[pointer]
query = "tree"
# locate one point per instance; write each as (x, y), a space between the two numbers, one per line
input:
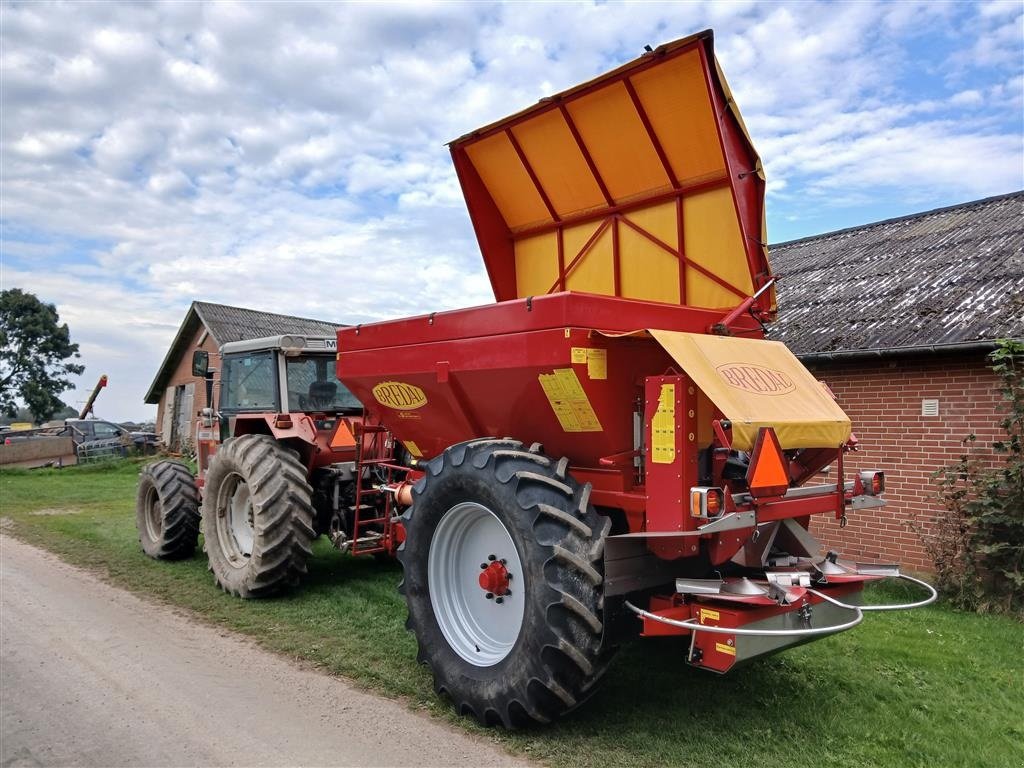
(35, 355)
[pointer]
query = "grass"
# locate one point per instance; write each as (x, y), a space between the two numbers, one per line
(931, 687)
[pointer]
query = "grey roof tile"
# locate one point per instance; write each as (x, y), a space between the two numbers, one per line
(951, 276)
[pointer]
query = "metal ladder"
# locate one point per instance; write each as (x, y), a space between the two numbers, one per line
(379, 454)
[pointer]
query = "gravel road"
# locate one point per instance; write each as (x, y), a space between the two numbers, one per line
(92, 675)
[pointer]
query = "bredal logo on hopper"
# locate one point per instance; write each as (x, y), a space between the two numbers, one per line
(400, 396)
(754, 378)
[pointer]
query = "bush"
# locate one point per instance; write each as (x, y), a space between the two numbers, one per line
(978, 548)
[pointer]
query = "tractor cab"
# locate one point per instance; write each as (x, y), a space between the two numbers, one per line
(282, 386)
(282, 375)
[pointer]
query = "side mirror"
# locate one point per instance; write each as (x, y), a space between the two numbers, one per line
(200, 363)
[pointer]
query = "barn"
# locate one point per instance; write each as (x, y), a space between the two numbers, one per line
(897, 317)
(179, 395)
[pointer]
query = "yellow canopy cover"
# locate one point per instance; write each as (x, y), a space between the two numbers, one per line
(758, 383)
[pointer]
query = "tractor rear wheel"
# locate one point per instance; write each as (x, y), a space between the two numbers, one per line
(257, 516)
(503, 576)
(167, 510)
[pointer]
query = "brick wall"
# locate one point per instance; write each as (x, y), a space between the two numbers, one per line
(183, 375)
(883, 398)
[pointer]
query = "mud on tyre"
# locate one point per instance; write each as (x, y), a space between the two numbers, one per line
(503, 577)
(257, 516)
(167, 510)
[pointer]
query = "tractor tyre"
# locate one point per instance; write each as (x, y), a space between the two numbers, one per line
(503, 579)
(257, 517)
(167, 510)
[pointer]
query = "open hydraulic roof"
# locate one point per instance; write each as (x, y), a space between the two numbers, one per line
(641, 183)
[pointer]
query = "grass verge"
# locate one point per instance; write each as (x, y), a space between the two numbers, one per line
(932, 687)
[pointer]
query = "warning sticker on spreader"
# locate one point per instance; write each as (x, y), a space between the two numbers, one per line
(707, 613)
(663, 427)
(569, 401)
(723, 648)
(596, 360)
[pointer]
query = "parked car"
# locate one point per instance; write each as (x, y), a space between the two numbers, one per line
(95, 430)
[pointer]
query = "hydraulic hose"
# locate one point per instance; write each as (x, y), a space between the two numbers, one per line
(890, 607)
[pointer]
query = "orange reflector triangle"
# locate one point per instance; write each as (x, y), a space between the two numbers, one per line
(342, 436)
(767, 474)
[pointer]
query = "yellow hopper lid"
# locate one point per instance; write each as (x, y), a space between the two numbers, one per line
(641, 183)
(757, 383)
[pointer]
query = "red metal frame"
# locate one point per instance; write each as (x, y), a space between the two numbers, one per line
(479, 371)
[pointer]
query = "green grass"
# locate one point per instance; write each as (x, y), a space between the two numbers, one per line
(931, 687)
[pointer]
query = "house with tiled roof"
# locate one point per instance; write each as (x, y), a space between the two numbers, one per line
(179, 395)
(897, 317)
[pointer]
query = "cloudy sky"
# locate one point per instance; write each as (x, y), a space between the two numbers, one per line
(290, 157)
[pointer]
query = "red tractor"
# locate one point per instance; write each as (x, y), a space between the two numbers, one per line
(277, 467)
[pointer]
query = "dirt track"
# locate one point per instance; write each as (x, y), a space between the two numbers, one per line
(92, 675)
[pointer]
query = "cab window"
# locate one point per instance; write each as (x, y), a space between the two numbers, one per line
(312, 386)
(249, 382)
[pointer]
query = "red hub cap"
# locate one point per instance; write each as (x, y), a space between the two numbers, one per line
(494, 578)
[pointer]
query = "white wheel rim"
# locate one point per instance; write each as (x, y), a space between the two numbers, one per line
(482, 631)
(235, 520)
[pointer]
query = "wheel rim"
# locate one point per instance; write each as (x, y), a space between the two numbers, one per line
(154, 515)
(236, 532)
(481, 630)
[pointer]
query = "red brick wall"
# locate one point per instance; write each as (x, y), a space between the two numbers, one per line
(883, 398)
(183, 375)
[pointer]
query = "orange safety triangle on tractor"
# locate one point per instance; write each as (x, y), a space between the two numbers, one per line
(343, 437)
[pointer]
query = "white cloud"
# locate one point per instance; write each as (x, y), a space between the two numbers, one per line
(291, 157)
(969, 98)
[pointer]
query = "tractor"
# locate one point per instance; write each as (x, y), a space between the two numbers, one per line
(276, 468)
(612, 448)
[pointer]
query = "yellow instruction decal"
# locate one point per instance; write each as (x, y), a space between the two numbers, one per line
(707, 613)
(596, 360)
(412, 448)
(723, 648)
(663, 427)
(569, 401)
(597, 363)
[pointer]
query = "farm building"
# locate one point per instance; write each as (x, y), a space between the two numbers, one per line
(897, 317)
(179, 395)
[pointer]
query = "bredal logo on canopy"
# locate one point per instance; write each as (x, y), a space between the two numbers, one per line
(756, 379)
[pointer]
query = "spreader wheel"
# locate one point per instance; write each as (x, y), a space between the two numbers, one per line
(503, 577)
(167, 510)
(257, 516)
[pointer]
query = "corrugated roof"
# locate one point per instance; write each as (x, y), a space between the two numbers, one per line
(948, 277)
(237, 323)
(226, 323)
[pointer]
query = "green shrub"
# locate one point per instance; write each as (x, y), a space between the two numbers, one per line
(978, 548)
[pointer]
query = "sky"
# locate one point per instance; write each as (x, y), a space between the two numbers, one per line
(291, 157)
